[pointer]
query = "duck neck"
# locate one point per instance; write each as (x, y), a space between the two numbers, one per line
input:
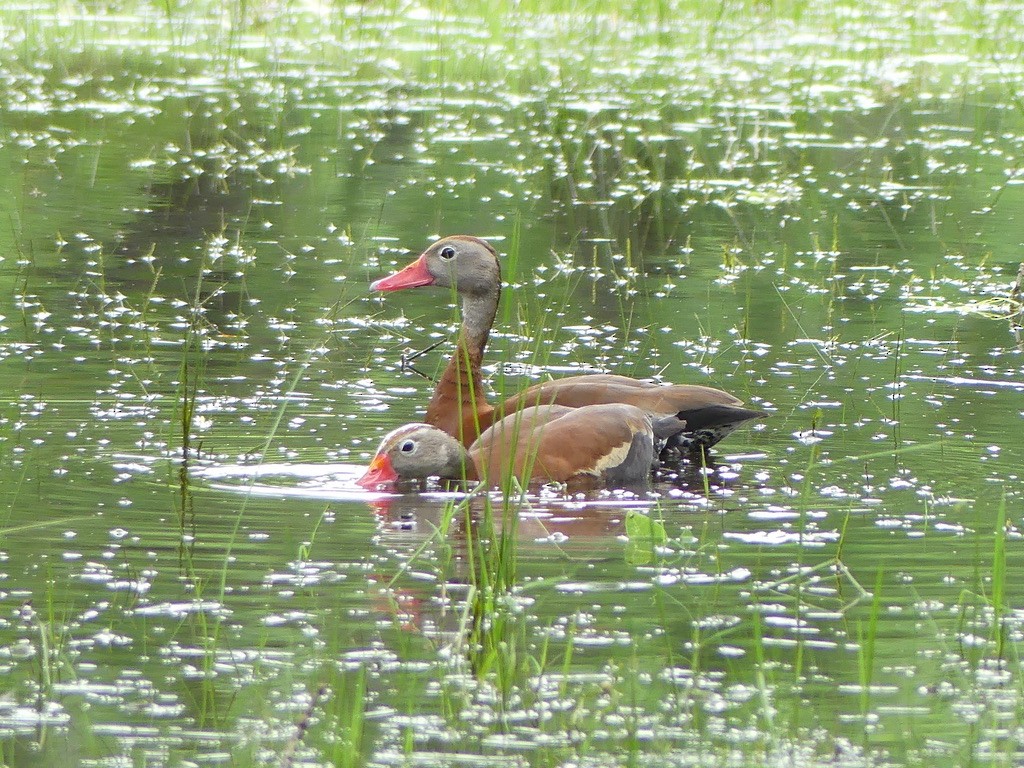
(478, 313)
(459, 405)
(458, 464)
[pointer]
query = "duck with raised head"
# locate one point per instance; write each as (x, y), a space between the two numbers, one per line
(607, 445)
(459, 405)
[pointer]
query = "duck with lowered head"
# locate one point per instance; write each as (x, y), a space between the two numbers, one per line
(606, 445)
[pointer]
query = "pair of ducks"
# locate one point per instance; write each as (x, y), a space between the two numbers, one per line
(591, 430)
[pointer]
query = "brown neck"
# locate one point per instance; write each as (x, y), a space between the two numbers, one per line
(459, 405)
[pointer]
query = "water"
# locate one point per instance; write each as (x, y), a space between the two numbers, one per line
(825, 225)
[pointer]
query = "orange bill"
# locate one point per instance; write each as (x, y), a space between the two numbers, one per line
(380, 472)
(413, 276)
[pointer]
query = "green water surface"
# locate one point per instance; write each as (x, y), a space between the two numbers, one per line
(814, 206)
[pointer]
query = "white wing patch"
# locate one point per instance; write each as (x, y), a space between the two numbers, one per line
(610, 460)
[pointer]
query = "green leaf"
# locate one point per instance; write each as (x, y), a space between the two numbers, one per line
(644, 535)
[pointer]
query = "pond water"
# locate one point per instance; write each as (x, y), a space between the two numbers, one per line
(817, 209)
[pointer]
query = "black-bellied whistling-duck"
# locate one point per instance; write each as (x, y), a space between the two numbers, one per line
(459, 405)
(597, 445)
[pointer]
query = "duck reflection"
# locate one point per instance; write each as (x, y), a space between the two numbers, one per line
(447, 546)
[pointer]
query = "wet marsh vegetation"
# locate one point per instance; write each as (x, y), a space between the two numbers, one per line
(815, 206)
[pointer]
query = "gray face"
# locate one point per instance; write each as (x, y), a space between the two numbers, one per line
(419, 451)
(468, 264)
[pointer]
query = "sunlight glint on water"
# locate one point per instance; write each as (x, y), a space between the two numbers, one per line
(813, 208)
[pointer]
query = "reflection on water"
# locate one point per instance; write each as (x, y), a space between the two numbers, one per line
(816, 211)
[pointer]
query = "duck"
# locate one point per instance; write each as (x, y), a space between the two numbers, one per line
(470, 267)
(604, 445)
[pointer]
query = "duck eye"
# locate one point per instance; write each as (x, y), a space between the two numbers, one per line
(408, 446)
(447, 253)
